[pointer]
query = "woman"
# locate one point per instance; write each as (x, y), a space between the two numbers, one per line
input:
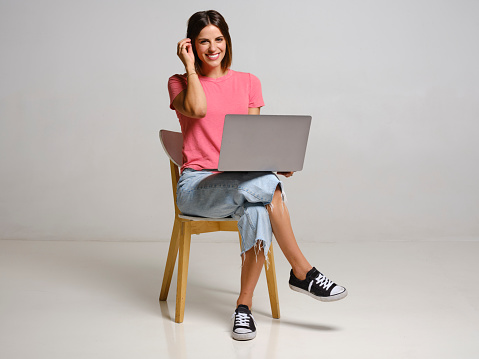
(201, 98)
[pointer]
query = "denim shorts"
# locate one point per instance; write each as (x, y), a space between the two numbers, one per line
(240, 195)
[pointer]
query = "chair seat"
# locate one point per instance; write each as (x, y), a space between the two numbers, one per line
(193, 218)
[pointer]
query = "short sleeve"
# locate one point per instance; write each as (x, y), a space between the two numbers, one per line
(255, 95)
(176, 84)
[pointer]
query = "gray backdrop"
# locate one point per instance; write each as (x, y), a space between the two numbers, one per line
(392, 87)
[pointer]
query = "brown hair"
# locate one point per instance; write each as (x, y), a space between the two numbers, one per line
(200, 20)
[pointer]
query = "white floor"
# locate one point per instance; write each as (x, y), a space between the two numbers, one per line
(100, 300)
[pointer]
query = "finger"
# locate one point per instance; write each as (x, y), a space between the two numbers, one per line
(184, 40)
(182, 44)
(183, 49)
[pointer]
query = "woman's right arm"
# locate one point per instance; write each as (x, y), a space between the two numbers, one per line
(192, 101)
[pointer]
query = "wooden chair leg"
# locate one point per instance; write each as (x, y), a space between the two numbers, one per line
(184, 255)
(241, 244)
(170, 260)
(272, 285)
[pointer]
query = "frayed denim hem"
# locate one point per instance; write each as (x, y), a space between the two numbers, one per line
(259, 245)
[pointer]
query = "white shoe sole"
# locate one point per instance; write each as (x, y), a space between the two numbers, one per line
(243, 336)
(331, 298)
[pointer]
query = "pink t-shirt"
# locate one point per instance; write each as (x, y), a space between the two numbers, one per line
(232, 93)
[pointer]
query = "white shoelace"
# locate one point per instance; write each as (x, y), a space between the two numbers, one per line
(242, 319)
(322, 281)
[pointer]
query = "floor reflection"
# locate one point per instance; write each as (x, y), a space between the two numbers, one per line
(176, 341)
(174, 332)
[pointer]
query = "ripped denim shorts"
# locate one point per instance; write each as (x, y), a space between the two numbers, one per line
(240, 195)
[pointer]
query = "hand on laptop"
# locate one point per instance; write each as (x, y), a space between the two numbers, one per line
(286, 174)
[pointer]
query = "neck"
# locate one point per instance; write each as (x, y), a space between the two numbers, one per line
(213, 72)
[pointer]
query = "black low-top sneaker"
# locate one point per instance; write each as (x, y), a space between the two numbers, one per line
(244, 325)
(316, 285)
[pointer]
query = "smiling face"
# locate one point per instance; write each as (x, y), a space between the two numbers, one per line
(211, 49)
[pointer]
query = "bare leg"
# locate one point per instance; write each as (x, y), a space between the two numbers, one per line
(253, 263)
(283, 232)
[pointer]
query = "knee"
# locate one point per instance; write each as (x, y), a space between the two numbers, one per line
(277, 195)
(278, 200)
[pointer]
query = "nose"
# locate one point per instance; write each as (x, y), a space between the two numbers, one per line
(212, 47)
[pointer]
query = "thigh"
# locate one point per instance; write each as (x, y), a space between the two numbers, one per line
(210, 194)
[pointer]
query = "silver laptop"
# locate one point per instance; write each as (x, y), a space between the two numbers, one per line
(264, 143)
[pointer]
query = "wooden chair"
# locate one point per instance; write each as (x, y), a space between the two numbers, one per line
(185, 226)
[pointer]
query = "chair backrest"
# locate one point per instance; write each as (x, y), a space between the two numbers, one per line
(172, 143)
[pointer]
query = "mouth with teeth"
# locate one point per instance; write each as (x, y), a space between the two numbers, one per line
(212, 56)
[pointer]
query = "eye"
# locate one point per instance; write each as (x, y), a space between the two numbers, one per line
(203, 42)
(219, 39)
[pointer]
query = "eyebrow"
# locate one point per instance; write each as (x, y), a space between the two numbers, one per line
(204, 38)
